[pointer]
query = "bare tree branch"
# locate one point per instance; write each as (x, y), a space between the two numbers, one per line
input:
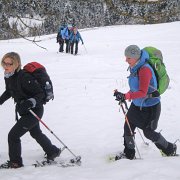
(33, 41)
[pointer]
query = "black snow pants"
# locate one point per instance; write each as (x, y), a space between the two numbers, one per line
(145, 118)
(28, 123)
(76, 47)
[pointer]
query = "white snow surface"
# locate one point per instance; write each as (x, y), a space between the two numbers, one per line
(84, 114)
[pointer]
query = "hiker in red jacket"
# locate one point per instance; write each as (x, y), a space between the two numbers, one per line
(144, 111)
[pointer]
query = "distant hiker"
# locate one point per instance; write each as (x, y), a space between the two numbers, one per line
(65, 36)
(75, 37)
(31, 98)
(59, 38)
(144, 111)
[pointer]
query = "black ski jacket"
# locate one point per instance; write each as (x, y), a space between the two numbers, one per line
(22, 86)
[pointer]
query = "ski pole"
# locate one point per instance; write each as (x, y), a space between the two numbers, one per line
(85, 48)
(176, 141)
(132, 134)
(65, 147)
(146, 143)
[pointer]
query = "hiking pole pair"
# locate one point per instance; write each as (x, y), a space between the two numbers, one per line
(127, 121)
(77, 158)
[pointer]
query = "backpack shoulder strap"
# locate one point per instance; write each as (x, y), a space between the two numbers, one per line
(19, 80)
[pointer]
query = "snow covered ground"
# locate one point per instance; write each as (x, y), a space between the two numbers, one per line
(84, 114)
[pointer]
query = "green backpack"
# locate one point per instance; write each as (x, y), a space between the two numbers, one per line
(156, 62)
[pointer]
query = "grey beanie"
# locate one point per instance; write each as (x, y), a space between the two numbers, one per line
(133, 51)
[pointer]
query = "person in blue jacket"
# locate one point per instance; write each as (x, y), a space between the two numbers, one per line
(75, 37)
(145, 108)
(66, 35)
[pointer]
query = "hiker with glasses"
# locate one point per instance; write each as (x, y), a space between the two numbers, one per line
(31, 98)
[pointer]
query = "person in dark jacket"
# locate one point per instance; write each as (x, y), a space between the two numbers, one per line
(31, 98)
(60, 38)
(144, 111)
(75, 37)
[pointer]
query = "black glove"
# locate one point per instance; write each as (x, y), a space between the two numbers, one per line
(119, 96)
(155, 94)
(23, 108)
(82, 43)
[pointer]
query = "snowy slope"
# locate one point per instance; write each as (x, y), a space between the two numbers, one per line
(84, 114)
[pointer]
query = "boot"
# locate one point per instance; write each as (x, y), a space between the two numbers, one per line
(129, 153)
(9, 164)
(170, 150)
(129, 149)
(54, 155)
(166, 148)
